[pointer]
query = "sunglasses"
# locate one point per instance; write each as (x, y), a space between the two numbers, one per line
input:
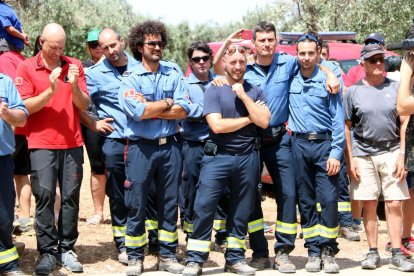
(93, 44)
(152, 44)
(309, 36)
(198, 59)
(373, 42)
(376, 60)
(233, 48)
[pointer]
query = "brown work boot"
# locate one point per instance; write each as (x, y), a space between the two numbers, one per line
(192, 269)
(135, 268)
(170, 265)
(240, 268)
(283, 262)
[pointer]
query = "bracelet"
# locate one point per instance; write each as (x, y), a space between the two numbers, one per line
(168, 104)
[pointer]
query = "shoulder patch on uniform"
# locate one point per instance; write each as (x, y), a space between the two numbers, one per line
(18, 81)
(129, 93)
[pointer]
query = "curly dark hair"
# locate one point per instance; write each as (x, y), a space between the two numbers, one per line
(263, 26)
(137, 35)
(199, 45)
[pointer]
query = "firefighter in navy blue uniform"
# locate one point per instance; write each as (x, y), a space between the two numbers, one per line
(232, 111)
(316, 119)
(195, 131)
(12, 113)
(103, 80)
(154, 151)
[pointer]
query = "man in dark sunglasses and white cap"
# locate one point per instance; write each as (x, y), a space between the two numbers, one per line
(375, 154)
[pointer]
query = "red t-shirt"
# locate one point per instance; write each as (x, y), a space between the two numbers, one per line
(8, 66)
(56, 125)
(355, 74)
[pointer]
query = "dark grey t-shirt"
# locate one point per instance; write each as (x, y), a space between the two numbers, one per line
(221, 99)
(374, 117)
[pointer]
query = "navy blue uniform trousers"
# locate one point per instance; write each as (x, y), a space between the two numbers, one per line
(8, 253)
(113, 151)
(241, 172)
(319, 229)
(148, 161)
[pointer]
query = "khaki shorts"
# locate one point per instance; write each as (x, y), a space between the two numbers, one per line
(376, 177)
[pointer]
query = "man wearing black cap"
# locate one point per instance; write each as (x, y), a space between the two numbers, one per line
(375, 155)
(357, 73)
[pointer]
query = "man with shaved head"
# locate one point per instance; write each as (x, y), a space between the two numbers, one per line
(53, 88)
(103, 81)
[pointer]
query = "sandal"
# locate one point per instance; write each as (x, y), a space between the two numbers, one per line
(95, 219)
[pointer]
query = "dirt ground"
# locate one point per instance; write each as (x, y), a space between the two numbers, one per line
(97, 252)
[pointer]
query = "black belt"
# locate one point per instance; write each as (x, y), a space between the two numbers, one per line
(379, 144)
(159, 141)
(327, 136)
(197, 143)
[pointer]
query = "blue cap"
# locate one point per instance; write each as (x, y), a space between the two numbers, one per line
(93, 35)
(375, 37)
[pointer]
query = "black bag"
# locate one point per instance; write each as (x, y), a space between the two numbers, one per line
(271, 135)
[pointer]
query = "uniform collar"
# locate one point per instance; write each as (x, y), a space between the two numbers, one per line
(105, 66)
(193, 79)
(163, 69)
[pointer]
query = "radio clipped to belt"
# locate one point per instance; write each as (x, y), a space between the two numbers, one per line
(210, 148)
(271, 135)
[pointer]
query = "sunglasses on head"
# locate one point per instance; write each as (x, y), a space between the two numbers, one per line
(198, 59)
(152, 44)
(309, 36)
(93, 44)
(233, 48)
(376, 60)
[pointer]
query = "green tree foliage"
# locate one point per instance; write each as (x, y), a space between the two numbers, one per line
(77, 17)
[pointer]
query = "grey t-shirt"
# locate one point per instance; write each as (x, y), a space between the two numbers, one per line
(374, 117)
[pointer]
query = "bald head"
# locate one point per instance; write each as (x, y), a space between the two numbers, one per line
(112, 46)
(53, 32)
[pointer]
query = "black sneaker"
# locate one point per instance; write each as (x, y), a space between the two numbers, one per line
(46, 264)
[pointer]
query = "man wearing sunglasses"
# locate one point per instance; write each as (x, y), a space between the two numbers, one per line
(195, 131)
(103, 80)
(232, 112)
(153, 153)
(357, 72)
(375, 155)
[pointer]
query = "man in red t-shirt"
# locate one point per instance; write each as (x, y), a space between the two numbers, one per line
(53, 88)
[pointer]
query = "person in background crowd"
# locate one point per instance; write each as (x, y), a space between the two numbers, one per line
(53, 88)
(375, 154)
(93, 139)
(12, 113)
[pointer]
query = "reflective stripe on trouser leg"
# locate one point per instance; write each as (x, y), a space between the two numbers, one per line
(219, 225)
(286, 228)
(212, 185)
(244, 196)
(330, 233)
(118, 231)
(280, 164)
(188, 227)
(167, 236)
(198, 245)
(257, 239)
(151, 224)
(134, 242)
(9, 255)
